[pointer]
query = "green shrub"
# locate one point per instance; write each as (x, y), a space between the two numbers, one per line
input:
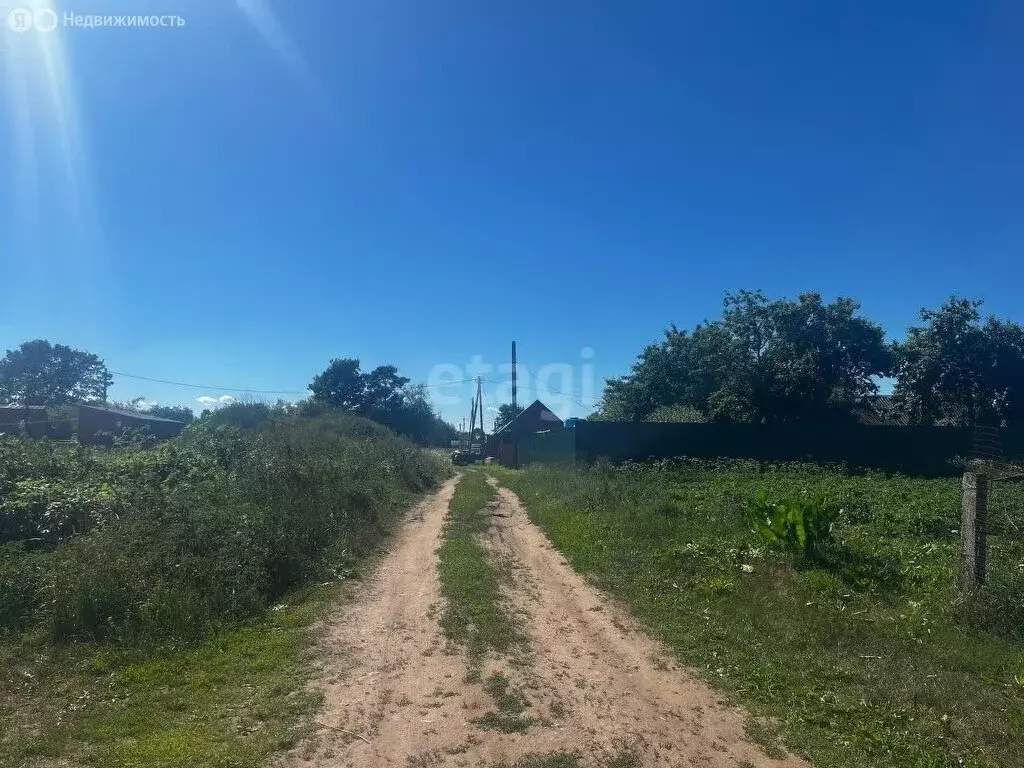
(802, 526)
(49, 510)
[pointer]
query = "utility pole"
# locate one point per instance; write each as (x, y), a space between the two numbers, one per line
(513, 379)
(478, 408)
(472, 421)
(480, 403)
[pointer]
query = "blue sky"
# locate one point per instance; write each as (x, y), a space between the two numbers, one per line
(236, 201)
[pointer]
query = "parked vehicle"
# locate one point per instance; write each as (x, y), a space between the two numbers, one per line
(464, 457)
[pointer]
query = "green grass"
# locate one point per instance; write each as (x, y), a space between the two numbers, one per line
(552, 760)
(228, 702)
(474, 614)
(499, 721)
(624, 760)
(572, 760)
(506, 699)
(869, 659)
(509, 705)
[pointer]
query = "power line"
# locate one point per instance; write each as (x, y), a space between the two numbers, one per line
(445, 383)
(211, 386)
(576, 401)
(255, 391)
(532, 377)
(487, 399)
(217, 387)
(552, 391)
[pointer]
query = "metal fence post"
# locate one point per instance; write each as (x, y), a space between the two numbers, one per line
(973, 530)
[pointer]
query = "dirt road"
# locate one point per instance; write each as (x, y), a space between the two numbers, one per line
(396, 693)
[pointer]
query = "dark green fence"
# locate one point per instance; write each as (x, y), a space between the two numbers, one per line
(1012, 444)
(911, 450)
(552, 447)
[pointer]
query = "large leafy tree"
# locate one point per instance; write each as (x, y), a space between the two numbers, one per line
(382, 395)
(415, 418)
(801, 359)
(685, 368)
(956, 369)
(679, 414)
(763, 361)
(505, 414)
(384, 389)
(345, 386)
(342, 385)
(41, 373)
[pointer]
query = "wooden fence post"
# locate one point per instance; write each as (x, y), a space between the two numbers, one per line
(974, 529)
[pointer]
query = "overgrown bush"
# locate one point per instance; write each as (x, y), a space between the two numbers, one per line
(20, 586)
(142, 544)
(45, 510)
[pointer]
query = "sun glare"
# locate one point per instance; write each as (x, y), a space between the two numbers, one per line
(42, 107)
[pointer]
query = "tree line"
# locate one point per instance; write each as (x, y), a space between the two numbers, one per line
(381, 395)
(771, 360)
(44, 374)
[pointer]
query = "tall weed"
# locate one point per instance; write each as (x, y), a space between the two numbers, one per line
(800, 525)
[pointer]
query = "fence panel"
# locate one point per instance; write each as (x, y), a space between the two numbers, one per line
(552, 447)
(916, 450)
(1005, 529)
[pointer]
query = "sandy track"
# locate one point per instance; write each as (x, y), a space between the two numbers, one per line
(396, 694)
(617, 685)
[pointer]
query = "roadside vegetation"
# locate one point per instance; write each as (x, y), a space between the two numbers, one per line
(155, 599)
(474, 614)
(823, 601)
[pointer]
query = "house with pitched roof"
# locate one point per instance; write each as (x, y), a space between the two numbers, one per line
(536, 417)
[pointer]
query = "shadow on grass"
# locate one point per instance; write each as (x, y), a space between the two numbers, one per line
(998, 607)
(861, 570)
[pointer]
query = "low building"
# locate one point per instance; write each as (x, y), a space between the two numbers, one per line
(536, 417)
(24, 420)
(98, 424)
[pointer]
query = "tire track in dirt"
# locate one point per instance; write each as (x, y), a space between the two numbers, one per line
(619, 689)
(396, 693)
